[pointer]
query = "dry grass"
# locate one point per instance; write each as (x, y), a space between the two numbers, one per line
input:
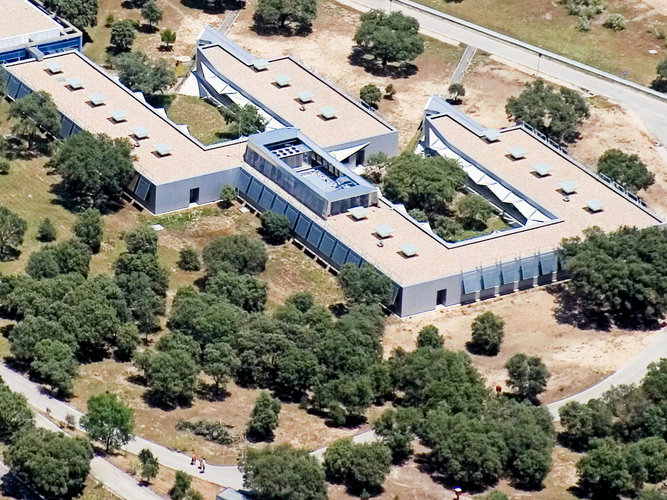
(187, 22)
(334, 28)
(576, 358)
(96, 491)
(204, 121)
(545, 23)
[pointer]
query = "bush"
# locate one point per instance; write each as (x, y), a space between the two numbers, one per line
(188, 259)
(487, 334)
(615, 22)
(46, 231)
(429, 337)
(370, 94)
(456, 92)
(264, 417)
(89, 228)
(181, 485)
(235, 253)
(5, 166)
(227, 195)
(275, 227)
(213, 431)
(364, 285)
(122, 35)
(626, 169)
(584, 23)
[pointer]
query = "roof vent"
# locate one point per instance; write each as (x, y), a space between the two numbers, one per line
(594, 205)
(542, 169)
(54, 66)
(516, 152)
(384, 231)
(305, 96)
(568, 187)
(328, 112)
(75, 83)
(260, 64)
(96, 99)
(282, 80)
(118, 115)
(409, 249)
(140, 132)
(492, 135)
(358, 213)
(163, 149)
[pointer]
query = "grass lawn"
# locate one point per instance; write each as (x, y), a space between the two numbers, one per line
(204, 121)
(547, 24)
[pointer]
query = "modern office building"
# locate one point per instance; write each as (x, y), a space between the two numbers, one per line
(296, 168)
(27, 31)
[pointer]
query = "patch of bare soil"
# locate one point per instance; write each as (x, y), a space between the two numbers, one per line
(490, 83)
(327, 50)
(576, 358)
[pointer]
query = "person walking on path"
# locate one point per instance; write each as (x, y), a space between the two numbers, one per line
(203, 465)
(193, 460)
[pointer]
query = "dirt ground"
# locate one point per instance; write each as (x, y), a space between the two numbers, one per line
(297, 427)
(489, 84)
(186, 21)
(576, 358)
(327, 48)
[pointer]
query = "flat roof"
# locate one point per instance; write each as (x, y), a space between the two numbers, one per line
(436, 260)
(187, 158)
(20, 17)
(352, 122)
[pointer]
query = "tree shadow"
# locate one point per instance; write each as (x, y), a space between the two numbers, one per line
(359, 57)
(570, 310)
(147, 29)
(12, 487)
(253, 439)
(427, 465)
(137, 379)
(479, 350)
(339, 309)
(659, 84)
(10, 254)
(208, 392)
(578, 491)
(62, 199)
(286, 31)
(214, 7)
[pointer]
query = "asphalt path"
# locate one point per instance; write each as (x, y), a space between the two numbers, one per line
(651, 110)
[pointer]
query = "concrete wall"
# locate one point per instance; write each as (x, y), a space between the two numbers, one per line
(176, 195)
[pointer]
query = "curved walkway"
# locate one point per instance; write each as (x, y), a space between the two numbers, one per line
(231, 476)
(651, 109)
(631, 373)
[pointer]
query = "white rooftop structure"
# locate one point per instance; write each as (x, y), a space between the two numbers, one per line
(75, 82)
(568, 187)
(409, 249)
(140, 132)
(54, 66)
(260, 64)
(282, 80)
(492, 134)
(96, 99)
(384, 231)
(118, 115)
(594, 205)
(542, 169)
(163, 149)
(358, 213)
(516, 152)
(328, 112)
(305, 96)
(22, 23)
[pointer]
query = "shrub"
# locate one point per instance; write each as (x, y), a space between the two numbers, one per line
(189, 259)
(89, 228)
(275, 227)
(5, 165)
(370, 94)
(487, 333)
(264, 417)
(46, 231)
(615, 22)
(213, 431)
(584, 23)
(227, 195)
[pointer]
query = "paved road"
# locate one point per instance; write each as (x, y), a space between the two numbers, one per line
(651, 110)
(631, 373)
(230, 18)
(221, 475)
